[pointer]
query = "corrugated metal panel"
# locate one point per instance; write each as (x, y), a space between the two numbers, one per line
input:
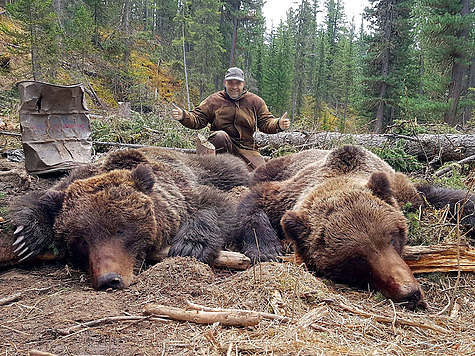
(56, 132)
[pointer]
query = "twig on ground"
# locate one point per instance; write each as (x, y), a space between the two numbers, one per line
(229, 318)
(107, 320)
(39, 353)
(261, 315)
(384, 319)
(10, 299)
(447, 169)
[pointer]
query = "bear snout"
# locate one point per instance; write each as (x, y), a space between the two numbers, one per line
(110, 280)
(393, 278)
(110, 265)
(412, 297)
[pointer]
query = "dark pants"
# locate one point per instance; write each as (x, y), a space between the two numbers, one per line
(223, 144)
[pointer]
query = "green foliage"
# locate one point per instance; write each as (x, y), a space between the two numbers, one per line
(40, 35)
(3, 207)
(455, 179)
(398, 158)
(148, 129)
(282, 151)
(79, 30)
(317, 68)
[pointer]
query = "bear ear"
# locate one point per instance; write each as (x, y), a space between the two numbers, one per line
(52, 203)
(380, 186)
(143, 177)
(127, 159)
(295, 225)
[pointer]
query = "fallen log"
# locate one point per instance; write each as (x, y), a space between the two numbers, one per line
(442, 148)
(449, 168)
(440, 258)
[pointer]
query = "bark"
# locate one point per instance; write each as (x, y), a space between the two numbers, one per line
(471, 84)
(237, 5)
(235, 318)
(459, 69)
(440, 258)
(427, 148)
(378, 127)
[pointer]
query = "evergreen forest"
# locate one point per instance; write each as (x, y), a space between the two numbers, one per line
(407, 61)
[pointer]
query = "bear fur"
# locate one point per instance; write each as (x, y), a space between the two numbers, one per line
(341, 209)
(129, 207)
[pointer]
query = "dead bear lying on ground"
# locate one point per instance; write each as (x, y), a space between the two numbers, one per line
(341, 210)
(130, 207)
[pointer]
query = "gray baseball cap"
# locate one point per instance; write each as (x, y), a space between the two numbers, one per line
(234, 73)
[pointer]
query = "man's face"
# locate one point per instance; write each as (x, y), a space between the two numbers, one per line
(234, 87)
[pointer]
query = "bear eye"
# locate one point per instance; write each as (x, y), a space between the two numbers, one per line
(120, 233)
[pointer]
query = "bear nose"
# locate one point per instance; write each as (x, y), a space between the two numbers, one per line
(415, 299)
(110, 280)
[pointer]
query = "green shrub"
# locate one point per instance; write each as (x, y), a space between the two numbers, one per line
(147, 129)
(398, 158)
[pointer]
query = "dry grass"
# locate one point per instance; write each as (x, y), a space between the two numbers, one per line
(326, 318)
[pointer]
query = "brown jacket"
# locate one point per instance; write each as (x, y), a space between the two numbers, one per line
(239, 118)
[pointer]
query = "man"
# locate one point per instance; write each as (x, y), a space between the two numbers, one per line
(234, 115)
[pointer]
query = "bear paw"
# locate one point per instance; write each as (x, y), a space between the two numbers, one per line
(257, 238)
(264, 252)
(31, 239)
(198, 250)
(33, 218)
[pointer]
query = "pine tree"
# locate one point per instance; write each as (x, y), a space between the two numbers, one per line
(303, 31)
(386, 64)
(78, 33)
(447, 40)
(206, 44)
(41, 33)
(278, 71)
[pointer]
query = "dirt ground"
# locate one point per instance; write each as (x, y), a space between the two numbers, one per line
(51, 304)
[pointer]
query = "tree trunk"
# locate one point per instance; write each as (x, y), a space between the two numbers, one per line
(442, 148)
(467, 116)
(387, 21)
(459, 69)
(234, 36)
(126, 22)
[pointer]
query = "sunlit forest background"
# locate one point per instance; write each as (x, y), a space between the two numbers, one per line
(407, 61)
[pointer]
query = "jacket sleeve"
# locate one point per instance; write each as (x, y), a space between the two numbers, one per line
(197, 118)
(266, 122)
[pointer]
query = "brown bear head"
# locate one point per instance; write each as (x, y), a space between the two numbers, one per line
(108, 221)
(355, 234)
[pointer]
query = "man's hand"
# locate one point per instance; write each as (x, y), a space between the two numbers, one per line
(177, 112)
(284, 123)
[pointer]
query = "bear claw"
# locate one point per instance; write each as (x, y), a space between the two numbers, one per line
(24, 258)
(18, 240)
(19, 247)
(22, 252)
(18, 229)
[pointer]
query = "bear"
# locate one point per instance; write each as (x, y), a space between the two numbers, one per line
(130, 206)
(341, 209)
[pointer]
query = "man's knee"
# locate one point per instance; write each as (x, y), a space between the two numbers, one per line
(221, 141)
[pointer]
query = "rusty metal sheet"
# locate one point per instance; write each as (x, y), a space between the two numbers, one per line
(55, 127)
